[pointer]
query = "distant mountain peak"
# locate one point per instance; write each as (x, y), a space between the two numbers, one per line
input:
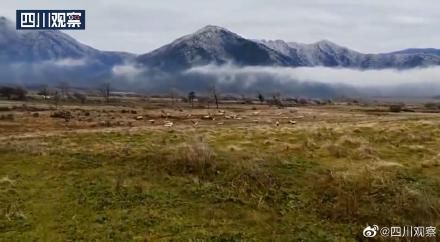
(211, 29)
(210, 32)
(208, 37)
(325, 42)
(212, 45)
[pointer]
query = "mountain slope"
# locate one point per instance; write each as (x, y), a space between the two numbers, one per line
(35, 46)
(48, 57)
(209, 45)
(328, 54)
(31, 58)
(322, 53)
(427, 51)
(214, 45)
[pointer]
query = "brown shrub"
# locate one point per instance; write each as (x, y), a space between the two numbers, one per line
(385, 197)
(396, 108)
(196, 158)
(61, 114)
(250, 180)
(8, 117)
(5, 109)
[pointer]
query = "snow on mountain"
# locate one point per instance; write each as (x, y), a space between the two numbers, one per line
(209, 45)
(214, 45)
(51, 56)
(328, 54)
(31, 57)
(427, 51)
(34, 46)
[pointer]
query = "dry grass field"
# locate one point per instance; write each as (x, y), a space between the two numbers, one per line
(140, 171)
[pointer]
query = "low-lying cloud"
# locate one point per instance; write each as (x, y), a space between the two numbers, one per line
(391, 82)
(78, 72)
(304, 81)
(129, 71)
(68, 62)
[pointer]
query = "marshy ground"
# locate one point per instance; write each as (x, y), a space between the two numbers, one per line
(156, 172)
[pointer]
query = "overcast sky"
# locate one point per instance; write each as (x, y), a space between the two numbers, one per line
(140, 26)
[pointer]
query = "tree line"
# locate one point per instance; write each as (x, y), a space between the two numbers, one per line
(13, 92)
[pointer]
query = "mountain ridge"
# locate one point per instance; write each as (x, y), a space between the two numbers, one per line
(42, 45)
(212, 45)
(51, 56)
(328, 54)
(208, 45)
(205, 46)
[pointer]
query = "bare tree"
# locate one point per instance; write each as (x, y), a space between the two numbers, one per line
(261, 97)
(277, 99)
(215, 94)
(7, 92)
(44, 91)
(245, 99)
(191, 97)
(18, 93)
(56, 99)
(64, 86)
(174, 95)
(105, 91)
(81, 97)
(206, 100)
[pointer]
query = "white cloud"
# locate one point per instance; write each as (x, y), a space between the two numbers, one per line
(68, 62)
(362, 78)
(127, 71)
(413, 82)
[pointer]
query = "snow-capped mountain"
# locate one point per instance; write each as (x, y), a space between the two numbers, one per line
(428, 51)
(29, 57)
(214, 45)
(328, 54)
(322, 53)
(36, 46)
(209, 45)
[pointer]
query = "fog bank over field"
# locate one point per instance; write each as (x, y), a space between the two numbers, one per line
(386, 82)
(302, 81)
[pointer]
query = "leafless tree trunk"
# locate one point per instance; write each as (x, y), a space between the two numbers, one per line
(64, 87)
(57, 99)
(215, 94)
(191, 97)
(174, 95)
(277, 99)
(260, 98)
(106, 88)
